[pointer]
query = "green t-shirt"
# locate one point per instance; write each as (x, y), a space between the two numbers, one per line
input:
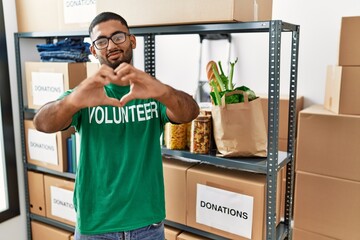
(119, 181)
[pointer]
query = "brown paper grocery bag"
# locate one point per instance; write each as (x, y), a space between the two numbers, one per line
(239, 128)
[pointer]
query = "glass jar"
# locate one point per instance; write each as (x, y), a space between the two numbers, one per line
(200, 135)
(176, 136)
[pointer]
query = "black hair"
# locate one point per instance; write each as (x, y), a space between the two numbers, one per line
(104, 17)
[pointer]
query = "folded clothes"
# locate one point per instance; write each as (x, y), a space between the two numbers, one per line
(67, 50)
(75, 56)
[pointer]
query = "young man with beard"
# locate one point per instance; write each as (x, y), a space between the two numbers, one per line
(119, 112)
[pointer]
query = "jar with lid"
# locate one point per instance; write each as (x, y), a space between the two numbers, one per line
(200, 135)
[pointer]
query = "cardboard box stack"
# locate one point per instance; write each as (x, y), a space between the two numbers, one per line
(342, 93)
(64, 15)
(327, 186)
(46, 81)
(50, 197)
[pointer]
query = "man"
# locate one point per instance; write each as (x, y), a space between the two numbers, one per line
(119, 113)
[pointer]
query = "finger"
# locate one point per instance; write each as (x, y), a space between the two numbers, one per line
(125, 99)
(112, 102)
(122, 66)
(124, 69)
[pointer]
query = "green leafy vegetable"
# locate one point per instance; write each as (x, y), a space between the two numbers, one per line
(221, 84)
(230, 83)
(251, 94)
(215, 93)
(218, 78)
(224, 78)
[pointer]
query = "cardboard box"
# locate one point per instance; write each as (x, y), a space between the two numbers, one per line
(349, 50)
(60, 15)
(46, 150)
(165, 12)
(328, 143)
(190, 236)
(41, 231)
(342, 92)
(327, 206)
(175, 188)
(59, 200)
(171, 233)
(63, 15)
(91, 68)
(299, 234)
(283, 117)
(46, 81)
(228, 203)
(36, 193)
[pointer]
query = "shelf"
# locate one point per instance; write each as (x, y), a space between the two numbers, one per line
(281, 229)
(52, 34)
(254, 164)
(29, 113)
(228, 27)
(49, 171)
(52, 222)
(269, 165)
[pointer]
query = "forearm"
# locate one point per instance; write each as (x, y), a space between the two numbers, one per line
(55, 116)
(181, 107)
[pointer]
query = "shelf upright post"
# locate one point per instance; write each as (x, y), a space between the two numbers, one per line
(149, 54)
(273, 126)
(17, 38)
(292, 129)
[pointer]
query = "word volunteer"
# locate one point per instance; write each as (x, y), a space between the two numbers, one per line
(133, 113)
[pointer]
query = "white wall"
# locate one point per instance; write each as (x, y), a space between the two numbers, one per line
(319, 22)
(178, 64)
(14, 228)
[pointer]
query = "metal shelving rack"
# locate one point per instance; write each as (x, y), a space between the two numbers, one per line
(269, 166)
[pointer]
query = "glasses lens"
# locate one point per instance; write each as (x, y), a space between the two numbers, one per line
(118, 38)
(101, 43)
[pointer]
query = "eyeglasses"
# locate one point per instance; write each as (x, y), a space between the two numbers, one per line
(116, 38)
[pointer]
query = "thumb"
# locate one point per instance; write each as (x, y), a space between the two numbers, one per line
(126, 98)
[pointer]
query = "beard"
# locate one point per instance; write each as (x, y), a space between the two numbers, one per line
(127, 58)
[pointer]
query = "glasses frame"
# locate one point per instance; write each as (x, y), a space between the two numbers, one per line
(110, 38)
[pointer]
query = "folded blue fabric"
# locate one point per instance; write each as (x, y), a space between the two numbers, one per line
(75, 56)
(67, 50)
